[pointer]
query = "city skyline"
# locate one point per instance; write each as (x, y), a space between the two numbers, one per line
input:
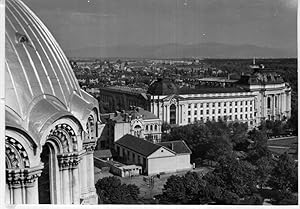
(90, 23)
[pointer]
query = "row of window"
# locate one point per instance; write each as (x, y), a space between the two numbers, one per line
(131, 156)
(213, 111)
(229, 117)
(218, 104)
(151, 127)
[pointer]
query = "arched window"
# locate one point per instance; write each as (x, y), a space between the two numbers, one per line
(155, 127)
(172, 114)
(269, 102)
(276, 101)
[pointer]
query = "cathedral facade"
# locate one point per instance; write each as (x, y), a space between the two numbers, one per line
(51, 124)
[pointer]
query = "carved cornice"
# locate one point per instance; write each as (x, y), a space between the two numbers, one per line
(68, 161)
(89, 147)
(23, 177)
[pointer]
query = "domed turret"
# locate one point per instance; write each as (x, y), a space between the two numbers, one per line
(162, 86)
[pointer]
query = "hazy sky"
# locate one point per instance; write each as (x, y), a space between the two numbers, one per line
(82, 23)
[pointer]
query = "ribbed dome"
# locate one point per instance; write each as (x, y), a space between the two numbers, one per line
(162, 86)
(39, 80)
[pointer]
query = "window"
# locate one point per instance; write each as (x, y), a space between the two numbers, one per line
(219, 111)
(155, 127)
(207, 111)
(235, 109)
(246, 102)
(230, 110)
(224, 110)
(230, 104)
(201, 118)
(189, 120)
(225, 103)
(230, 117)
(189, 106)
(219, 104)
(195, 105)
(241, 109)
(195, 119)
(213, 111)
(207, 104)
(241, 116)
(173, 114)
(246, 109)
(269, 102)
(250, 108)
(147, 127)
(207, 119)
(195, 112)
(201, 112)
(219, 117)
(189, 112)
(213, 104)
(236, 103)
(151, 128)
(241, 102)
(236, 117)
(201, 104)
(213, 118)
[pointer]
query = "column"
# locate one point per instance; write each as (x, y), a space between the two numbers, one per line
(75, 181)
(64, 164)
(17, 194)
(83, 176)
(32, 196)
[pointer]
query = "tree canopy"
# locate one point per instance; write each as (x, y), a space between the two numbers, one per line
(111, 191)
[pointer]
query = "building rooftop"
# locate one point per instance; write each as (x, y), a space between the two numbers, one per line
(179, 147)
(207, 90)
(134, 113)
(138, 145)
(106, 153)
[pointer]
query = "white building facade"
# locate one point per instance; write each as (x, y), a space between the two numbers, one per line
(261, 96)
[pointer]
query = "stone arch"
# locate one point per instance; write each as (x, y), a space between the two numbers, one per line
(15, 154)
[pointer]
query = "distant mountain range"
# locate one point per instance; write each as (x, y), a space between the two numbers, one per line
(202, 50)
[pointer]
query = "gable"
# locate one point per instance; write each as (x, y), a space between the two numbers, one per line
(161, 152)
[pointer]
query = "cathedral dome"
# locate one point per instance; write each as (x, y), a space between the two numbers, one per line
(162, 86)
(40, 85)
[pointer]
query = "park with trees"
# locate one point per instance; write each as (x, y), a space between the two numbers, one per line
(243, 170)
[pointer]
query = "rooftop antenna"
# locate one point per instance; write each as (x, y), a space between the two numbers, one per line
(253, 60)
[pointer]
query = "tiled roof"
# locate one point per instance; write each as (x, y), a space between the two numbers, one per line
(179, 147)
(102, 153)
(138, 145)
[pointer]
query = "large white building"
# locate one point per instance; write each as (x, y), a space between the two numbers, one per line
(263, 95)
(51, 124)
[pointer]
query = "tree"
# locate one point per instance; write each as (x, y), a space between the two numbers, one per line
(284, 176)
(263, 171)
(111, 191)
(259, 146)
(174, 190)
(234, 175)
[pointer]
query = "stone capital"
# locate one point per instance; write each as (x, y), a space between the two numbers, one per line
(23, 177)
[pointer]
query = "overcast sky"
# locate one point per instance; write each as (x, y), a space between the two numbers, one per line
(83, 23)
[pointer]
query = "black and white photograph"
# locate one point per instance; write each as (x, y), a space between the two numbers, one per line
(149, 102)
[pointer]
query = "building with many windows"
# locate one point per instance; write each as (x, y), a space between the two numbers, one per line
(263, 95)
